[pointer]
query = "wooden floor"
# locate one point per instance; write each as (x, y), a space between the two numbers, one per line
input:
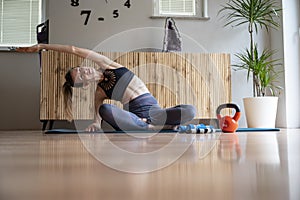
(254, 165)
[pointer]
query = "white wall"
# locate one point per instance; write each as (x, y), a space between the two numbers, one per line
(19, 89)
(291, 53)
(132, 30)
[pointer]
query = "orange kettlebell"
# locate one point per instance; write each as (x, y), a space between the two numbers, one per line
(229, 124)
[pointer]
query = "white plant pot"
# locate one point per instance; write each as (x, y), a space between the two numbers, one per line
(261, 111)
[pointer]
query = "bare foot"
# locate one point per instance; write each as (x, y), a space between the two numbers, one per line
(143, 119)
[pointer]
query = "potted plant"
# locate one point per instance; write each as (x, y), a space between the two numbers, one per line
(257, 15)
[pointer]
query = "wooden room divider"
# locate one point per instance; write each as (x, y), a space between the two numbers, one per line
(201, 79)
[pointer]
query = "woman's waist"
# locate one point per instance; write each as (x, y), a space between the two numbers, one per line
(130, 95)
(142, 100)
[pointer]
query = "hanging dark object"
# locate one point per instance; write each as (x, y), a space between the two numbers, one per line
(172, 40)
(42, 32)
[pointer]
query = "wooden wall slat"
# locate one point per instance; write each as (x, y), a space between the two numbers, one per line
(201, 79)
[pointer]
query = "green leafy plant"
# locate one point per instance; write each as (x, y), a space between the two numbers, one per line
(255, 14)
(263, 68)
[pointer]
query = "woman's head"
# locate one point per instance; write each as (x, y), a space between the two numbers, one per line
(77, 77)
(82, 76)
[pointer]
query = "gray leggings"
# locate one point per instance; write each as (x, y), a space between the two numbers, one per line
(145, 106)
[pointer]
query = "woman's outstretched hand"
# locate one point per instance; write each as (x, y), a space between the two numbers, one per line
(32, 49)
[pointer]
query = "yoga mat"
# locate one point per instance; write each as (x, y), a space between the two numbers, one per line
(66, 131)
(256, 129)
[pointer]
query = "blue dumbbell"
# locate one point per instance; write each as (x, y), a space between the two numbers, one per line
(192, 128)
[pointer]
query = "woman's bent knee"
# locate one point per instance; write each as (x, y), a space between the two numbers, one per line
(189, 112)
(105, 109)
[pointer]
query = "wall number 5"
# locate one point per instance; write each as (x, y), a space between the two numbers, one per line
(116, 14)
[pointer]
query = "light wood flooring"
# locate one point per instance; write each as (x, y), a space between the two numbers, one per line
(242, 166)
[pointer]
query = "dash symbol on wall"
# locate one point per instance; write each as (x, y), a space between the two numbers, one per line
(100, 18)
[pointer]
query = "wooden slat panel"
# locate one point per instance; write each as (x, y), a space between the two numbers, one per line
(203, 80)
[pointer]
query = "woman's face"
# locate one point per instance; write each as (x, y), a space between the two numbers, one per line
(84, 75)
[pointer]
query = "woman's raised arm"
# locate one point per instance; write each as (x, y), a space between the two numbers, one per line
(101, 60)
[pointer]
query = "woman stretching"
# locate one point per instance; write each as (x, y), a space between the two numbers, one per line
(114, 81)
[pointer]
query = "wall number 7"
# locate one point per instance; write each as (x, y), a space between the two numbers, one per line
(88, 14)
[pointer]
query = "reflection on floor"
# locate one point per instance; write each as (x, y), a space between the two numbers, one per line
(254, 165)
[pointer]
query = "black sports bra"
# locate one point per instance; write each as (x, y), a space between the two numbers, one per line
(115, 82)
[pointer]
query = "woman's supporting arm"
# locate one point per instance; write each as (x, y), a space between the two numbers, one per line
(99, 98)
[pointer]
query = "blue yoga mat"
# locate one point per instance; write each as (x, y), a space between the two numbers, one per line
(256, 129)
(65, 131)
